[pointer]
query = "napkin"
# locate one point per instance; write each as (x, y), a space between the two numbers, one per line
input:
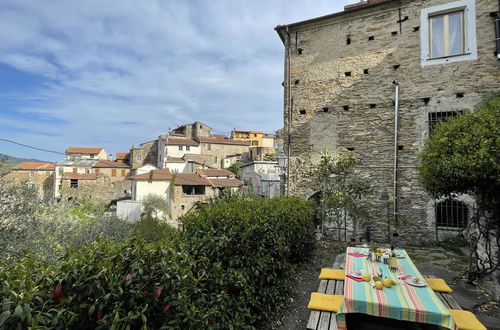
(357, 255)
(355, 278)
(404, 277)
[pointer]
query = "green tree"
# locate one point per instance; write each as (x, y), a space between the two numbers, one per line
(279, 134)
(236, 169)
(155, 206)
(343, 193)
(272, 157)
(463, 157)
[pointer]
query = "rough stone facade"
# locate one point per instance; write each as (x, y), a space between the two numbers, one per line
(340, 72)
(147, 153)
(42, 180)
(102, 188)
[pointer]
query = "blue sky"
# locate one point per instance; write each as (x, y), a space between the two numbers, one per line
(113, 74)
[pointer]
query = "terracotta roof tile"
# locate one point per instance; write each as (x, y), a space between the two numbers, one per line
(175, 160)
(109, 164)
(37, 166)
(72, 150)
(215, 172)
(121, 155)
(79, 176)
(191, 179)
(207, 139)
(158, 175)
(222, 183)
(181, 142)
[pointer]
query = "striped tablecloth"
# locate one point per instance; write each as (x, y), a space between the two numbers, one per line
(401, 302)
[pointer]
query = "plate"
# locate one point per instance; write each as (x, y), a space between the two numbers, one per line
(420, 283)
(356, 276)
(400, 255)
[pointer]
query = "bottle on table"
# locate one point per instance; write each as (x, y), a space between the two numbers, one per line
(393, 260)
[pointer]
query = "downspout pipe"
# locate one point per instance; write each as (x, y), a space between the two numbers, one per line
(496, 17)
(289, 107)
(396, 136)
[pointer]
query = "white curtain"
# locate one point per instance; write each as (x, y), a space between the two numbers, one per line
(455, 34)
(437, 43)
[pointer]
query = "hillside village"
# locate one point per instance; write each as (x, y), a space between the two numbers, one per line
(187, 166)
(376, 206)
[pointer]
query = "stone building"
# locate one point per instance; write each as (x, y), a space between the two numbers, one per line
(374, 80)
(38, 175)
(78, 153)
(182, 191)
(187, 145)
(262, 178)
(88, 168)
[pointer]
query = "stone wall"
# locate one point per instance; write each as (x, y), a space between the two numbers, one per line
(342, 96)
(219, 151)
(148, 153)
(182, 203)
(102, 189)
(42, 181)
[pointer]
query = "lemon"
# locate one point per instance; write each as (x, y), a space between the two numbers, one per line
(387, 283)
(366, 277)
(379, 285)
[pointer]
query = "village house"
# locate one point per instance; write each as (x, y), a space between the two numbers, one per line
(89, 168)
(38, 175)
(188, 146)
(374, 80)
(121, 157)
(182, 191)
(261, 144)
(262, 178)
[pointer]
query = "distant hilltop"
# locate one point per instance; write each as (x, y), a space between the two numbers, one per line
(12, 159)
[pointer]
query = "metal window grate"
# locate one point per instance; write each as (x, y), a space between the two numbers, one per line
(452, 214)
(437, 117)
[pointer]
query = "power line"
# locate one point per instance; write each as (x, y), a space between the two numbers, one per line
(31, 147)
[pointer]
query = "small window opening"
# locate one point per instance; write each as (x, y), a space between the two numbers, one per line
(299, 50)
(365, 71)
(451, 213)
(348, 41)
(346, 107)
(460, 95)
(373, 105)
(437, 117)
(396, 66)
(426, 100)
(416, 29)
(347, 74)
(350, 148)
(370, 38)
(394, 33)
(325, 109)
(401, 147)
(296, 82)
(182, 207)
(302, 112)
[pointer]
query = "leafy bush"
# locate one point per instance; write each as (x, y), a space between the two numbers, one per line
(252, 242)
(230, 267)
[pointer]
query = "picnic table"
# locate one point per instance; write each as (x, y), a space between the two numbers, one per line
(403, 303)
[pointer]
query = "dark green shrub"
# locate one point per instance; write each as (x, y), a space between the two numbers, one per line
(253, 242)
(229, 268)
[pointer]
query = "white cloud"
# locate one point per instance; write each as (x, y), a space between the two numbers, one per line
(120, 72)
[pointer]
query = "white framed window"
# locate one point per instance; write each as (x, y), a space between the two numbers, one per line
(448, 33)
(188, 148)
(180, 148)
(138, 157)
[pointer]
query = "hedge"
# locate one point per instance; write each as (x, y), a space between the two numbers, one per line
(230, 267)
